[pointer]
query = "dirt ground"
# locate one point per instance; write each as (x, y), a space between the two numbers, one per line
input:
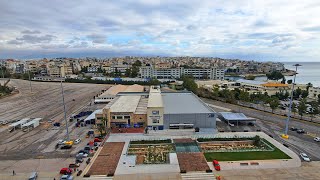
(45, 102)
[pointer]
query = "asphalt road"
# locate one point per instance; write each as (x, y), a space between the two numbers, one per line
(274, 125)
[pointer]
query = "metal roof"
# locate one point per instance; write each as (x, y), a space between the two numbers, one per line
(125, 104)
(31, 122)
(229, 116)
(250, 82)
(183, 103)
(21, 122)
(93, 115)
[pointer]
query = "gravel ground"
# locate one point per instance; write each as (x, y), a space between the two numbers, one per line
(45, 102)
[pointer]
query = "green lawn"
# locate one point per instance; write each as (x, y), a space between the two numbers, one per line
(238, 156)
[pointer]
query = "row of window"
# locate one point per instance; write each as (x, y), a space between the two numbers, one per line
(120, 117)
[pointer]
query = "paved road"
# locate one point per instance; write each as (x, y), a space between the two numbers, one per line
(274, 125)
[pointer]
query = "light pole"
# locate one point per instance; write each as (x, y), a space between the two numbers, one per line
(285, 135)
(64, 109)
(30, 81)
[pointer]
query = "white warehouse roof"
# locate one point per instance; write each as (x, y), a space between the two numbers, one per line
(125, 104)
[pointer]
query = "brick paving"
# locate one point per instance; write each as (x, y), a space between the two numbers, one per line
(107, 160)
(127, 130)
(192, 162)
(184, 140)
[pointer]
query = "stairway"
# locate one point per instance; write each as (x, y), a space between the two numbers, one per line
(197, 176)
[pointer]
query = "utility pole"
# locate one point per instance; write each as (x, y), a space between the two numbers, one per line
(30, 81)
(285, 135)
(64, 109)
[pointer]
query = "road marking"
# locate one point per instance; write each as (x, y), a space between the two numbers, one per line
(312, 134)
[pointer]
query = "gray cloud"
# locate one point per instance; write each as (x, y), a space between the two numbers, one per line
(14, 42)
(32, 39)
(97, 38)
(30, 32)
(312, 29)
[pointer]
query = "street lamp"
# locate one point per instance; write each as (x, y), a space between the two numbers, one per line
(64, 110)
(285, 135)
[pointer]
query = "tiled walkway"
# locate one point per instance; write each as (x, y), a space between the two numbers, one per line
(107, 161)
(192, 162)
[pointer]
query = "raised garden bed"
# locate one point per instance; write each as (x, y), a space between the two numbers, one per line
(151, 141)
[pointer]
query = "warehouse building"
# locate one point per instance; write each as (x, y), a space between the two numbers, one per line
(158, 110)
(111, 93)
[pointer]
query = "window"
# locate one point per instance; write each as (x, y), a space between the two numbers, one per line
(155, 112)
(113, 117)
(126, 117)
(119, 117)
(155, 120)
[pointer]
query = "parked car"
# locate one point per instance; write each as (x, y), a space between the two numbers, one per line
(77, 141)
(87, 148)
(97, 140)
(56, 124)
(83, 155)
(75, 165)
(61, 142)
(33, 175)
(66, 147)
(305, 157)
(293, 128)
(81, 151)
(216, 165)
(66, 177)
(317, 139)
(230, 124)
(79, 173)
(79, 160)
(66, 171)
(300, 131)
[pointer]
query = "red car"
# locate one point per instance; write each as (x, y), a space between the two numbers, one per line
(97, 140)
(66, 171)
(216, 165)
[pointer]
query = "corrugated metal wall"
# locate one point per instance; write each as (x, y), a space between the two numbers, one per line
(203, 120)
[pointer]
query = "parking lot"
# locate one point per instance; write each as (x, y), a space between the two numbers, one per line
(44, 102)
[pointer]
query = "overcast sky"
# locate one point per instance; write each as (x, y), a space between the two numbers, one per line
(279, 30)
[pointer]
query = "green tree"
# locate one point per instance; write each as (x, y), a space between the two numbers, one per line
(302, 108)
(294, 108)
(275, 75)
(297, 93)
(274, 103)
(134, 71)
(137, 63)
(283, 80)
(102, 128)
(314, 109)
(304, 93)
(189, 84)
(244, 96)
(289, 81)
(309, 85)
(318, 98)
(128, 72)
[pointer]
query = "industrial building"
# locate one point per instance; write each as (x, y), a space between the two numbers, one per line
(111, 93)
(158, 110)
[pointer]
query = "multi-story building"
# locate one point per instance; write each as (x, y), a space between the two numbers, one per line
(19, 68)
(314, 92)
(199, 73)
(93, 69)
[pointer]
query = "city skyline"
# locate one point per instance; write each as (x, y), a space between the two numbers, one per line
(273, 30)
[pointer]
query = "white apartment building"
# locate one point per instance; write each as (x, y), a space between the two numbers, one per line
(314, 92)
(168, 73)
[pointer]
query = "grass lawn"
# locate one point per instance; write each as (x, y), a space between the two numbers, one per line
(239, 156)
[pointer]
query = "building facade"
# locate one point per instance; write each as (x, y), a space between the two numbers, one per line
(168, 73)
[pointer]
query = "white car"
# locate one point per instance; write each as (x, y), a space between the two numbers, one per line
(317, 139)
(61, 142)
(83, 155)
(77, 141)
(305, 157)
(230, 124)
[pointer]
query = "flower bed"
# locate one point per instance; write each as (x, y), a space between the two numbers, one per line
(151, 154)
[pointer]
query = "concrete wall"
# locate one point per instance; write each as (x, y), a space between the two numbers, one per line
(152, 116)
(203, 120)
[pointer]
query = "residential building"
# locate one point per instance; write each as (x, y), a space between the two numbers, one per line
(314, 93)
(168, 73)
